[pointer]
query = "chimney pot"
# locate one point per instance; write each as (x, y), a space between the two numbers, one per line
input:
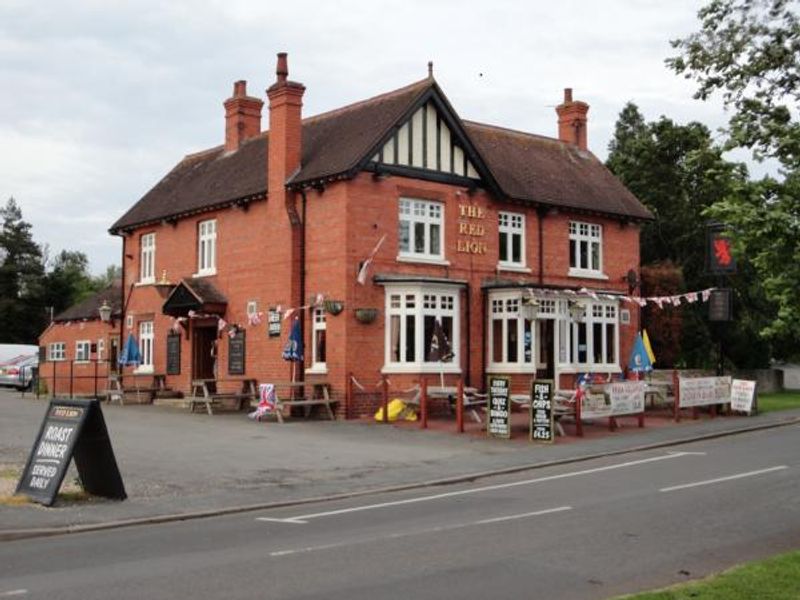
(242, 116)
(282, 68)
(572, 120)
(240, 89)
(567, 95)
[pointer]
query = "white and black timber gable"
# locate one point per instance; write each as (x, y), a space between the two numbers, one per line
(429, 142)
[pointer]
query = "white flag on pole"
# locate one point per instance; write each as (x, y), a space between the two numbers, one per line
(362, 272)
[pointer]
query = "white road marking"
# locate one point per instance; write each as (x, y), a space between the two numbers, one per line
(292, 521)
(486, 488)
(687, 453)
(404, 534)
(720, 479)
(13, 593)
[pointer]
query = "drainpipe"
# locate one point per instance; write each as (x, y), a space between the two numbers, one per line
(469, 337)
(123, 315)
(302, 302)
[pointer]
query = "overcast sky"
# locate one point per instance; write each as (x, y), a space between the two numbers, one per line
(101, 98)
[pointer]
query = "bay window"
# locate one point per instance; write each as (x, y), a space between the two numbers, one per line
(595, 337)
(511, 335)
(411, 315)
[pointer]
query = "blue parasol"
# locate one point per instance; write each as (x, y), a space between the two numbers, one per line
(293, 350)
(640, 360)
(130, 355)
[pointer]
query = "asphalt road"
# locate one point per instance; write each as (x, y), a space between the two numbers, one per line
(588, 530)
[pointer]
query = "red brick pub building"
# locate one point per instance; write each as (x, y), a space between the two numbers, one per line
(497, 234)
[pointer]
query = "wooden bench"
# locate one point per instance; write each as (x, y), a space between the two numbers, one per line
(285, 397)
(207, 392)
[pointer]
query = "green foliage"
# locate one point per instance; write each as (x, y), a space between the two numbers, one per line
(22, 314)
(749, 51)
(68, 281)
(679, 173)
(773, 578)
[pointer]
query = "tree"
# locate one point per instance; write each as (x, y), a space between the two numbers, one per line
(68, 281)
(678, 172)
(22, 314)
(749, 50)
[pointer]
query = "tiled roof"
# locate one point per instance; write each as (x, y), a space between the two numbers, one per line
(527, 167)
(87, 309)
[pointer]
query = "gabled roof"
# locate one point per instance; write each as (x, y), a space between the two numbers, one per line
(196, 295)
(516, 165)
(88, 308)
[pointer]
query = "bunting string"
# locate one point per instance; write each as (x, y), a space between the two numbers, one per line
(659, 301)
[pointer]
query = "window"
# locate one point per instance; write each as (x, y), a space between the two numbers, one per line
(595, 337)
(146, 345)
(147, 262)
(207, 247)
(83, 349)
(512, 239)
(511, 335)
(411, 315)
(57, 351)
(101, 348)
(318, 339)
(420, 229)
(585, 249)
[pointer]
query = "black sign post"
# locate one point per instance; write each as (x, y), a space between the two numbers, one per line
(236, 353)
(541, 415)
(720, 305)
(71, 429)
(499, 422)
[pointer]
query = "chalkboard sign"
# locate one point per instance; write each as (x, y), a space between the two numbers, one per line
(71, 429)
(274, 322)
(720, 304)
(236, 354)
(541, 415)
(499, 422)
(174, 354)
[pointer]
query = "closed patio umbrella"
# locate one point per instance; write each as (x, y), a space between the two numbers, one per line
(640, 360)
(130, 355)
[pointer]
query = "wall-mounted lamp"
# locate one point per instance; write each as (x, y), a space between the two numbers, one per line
(530, 308)
(577, 311)
(105, 313)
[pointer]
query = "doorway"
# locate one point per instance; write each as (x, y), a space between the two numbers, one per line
(204, 352)
(545, 357)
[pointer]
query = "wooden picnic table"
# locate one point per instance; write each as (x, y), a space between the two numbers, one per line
(208, 392)
(285, 396)
(561, 408)
(473, 400)
(116, 391)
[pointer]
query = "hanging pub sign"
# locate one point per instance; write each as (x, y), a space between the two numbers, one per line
(236, 353)
(71, 429)
(719, 258)
(274, 322)
(499, 422)
(173, 354)
(541, 414)
(720, 305)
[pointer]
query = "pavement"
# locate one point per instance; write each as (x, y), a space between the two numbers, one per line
(177, 465)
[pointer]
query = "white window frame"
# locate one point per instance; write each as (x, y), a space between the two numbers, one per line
(207, 247)
(319, 327)
(101, 348)
(590, 234)
(147, 258)
(511, 225)
(83, 351)
(506, 307)
(416, 302)
(603, 314)
(424, 215)
(146, 346)
(57, 351)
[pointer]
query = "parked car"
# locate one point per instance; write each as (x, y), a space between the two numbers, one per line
(18, 372)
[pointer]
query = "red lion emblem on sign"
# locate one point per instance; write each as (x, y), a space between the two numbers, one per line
(722, 251)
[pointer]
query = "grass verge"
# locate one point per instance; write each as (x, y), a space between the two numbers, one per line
(778, 401)
(776, 578)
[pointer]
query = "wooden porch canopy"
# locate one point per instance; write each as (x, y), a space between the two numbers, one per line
(195, 295)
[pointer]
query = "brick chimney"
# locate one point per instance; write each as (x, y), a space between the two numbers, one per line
(572, 120)
(242, 117)
(285, 127)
